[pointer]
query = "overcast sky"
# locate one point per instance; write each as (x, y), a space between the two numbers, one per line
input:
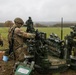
(39, 10)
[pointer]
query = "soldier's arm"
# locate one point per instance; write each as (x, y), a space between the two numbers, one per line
(1, 39)
(21, 33)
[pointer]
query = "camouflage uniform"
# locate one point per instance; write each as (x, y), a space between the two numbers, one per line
(19, 46)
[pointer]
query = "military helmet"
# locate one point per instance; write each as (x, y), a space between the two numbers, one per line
(29, 17)
(18, 20)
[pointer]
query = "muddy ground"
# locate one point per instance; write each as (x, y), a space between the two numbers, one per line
(6, 68)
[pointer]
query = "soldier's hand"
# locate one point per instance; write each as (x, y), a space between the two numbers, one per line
(30, 35)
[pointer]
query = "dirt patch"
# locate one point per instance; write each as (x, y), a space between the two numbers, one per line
(6, 68)
(69, 72)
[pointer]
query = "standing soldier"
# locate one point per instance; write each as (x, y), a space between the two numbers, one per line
(16, 40)
(29, 24)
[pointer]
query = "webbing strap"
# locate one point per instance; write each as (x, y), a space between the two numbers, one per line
(12, 43)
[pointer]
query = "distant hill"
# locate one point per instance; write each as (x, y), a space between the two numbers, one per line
(56, 24)
(47, 23)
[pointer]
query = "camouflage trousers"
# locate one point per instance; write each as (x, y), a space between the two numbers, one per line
(20, 53)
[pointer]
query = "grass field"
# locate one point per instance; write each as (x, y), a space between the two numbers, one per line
(47, 30)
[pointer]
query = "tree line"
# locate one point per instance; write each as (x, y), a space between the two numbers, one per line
(10, 23)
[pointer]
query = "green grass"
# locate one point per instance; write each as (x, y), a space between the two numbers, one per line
(56, 30)
(4, 32)
(47, 30)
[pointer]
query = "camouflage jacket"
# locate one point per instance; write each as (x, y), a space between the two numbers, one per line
(18, 36)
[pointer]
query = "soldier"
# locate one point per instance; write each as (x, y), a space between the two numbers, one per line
(29, 24)
(15, 39)
(1, 40)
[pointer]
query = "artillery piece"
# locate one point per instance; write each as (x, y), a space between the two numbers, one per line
(45, 61)
(70, 43)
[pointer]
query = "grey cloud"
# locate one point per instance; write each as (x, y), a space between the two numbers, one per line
(39, 10)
